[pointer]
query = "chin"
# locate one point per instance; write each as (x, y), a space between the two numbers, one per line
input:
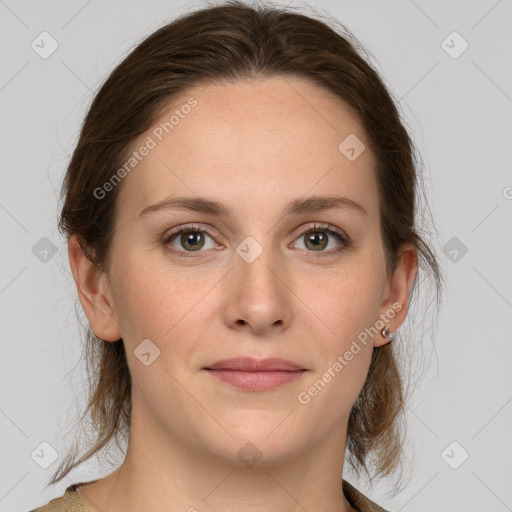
(256, 440)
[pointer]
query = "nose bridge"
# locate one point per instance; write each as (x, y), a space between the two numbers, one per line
(258, 296)
(258, 263)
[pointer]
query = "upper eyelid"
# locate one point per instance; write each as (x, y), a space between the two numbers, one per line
(316, 225)
(324, 226)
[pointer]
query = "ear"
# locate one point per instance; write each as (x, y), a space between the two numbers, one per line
(94, 293)
(396, 295)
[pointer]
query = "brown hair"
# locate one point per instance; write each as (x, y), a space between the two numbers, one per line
(233, 42)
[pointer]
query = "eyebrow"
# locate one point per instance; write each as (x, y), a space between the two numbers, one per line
(312, 204)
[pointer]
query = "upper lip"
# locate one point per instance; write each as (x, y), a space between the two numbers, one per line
(248, 364)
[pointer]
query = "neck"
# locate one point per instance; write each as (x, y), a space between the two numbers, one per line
(159, 471)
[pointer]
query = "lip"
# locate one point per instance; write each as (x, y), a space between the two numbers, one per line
(255, 374)
(248, 364)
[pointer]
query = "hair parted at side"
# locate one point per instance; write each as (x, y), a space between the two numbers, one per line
(232, 42)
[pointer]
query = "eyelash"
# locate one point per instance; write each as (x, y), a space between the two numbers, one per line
(329, 228)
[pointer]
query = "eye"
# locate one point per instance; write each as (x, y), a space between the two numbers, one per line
(319, 237)
(188, 239)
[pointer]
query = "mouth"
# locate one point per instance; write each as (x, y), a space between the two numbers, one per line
(255, 374)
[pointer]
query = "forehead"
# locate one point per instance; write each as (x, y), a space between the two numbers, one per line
(270, 140)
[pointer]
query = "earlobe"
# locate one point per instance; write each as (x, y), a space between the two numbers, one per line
(395, 303)
(94, 293)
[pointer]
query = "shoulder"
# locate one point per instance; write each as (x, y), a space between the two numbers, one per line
(70, 501)
(358, 500)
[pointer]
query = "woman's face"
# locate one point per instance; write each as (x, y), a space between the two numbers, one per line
(247, 282)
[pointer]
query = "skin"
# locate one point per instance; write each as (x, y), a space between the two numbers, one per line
(252, 146)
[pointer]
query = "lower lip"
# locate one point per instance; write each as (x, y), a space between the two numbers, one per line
(256, 381)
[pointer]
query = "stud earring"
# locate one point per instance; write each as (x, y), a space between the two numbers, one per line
(386, 332)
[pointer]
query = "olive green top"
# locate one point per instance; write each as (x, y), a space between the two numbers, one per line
(71, 501)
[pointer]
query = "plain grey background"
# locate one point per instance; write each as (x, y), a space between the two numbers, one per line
(458, 106)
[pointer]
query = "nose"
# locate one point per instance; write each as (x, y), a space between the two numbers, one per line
(259, 298)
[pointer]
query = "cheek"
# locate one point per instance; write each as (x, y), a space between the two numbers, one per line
(346, 309)
(153, 299)
(343, 303)
(332, 389)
